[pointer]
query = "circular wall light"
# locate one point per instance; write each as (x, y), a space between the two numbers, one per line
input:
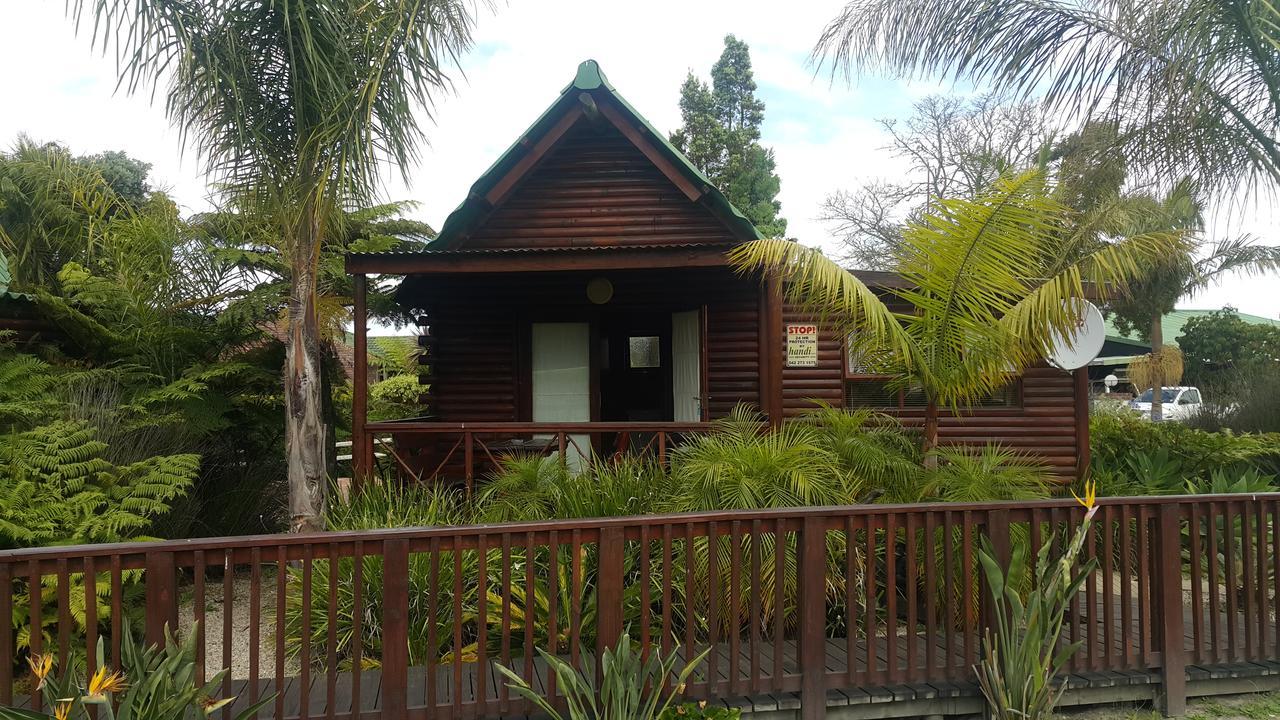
(599, 290)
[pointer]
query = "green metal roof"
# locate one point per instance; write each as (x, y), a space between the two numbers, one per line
(589, 79)
(1172, 324)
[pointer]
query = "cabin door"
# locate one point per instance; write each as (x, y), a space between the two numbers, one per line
(686, 366)
(561, 370)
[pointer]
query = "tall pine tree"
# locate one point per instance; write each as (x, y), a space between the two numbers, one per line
(720, 133)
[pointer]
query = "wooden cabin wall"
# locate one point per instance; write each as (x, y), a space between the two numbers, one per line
(597, 189)
(475, 368)
(801, 387)
(1045, 421)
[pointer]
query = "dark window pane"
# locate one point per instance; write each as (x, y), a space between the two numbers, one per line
(869, 393)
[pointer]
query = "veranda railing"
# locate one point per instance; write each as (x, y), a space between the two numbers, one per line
(408, 622)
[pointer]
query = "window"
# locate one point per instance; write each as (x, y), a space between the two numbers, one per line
(646, 352)
(869, 375)
(1190, 397)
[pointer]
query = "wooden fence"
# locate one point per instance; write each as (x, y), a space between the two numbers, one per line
(408, 623)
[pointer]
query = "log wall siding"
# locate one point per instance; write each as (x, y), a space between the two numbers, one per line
(1044, 423)
(801, 387)
(597, 189)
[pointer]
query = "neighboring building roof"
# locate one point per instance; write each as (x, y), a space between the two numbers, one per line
(1172, 324)
(591, 81)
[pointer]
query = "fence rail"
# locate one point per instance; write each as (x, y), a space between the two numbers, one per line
(409, 623)
(464, 451)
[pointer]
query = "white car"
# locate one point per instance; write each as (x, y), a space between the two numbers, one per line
(1178, 403)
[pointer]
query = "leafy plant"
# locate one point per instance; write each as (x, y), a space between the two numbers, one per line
(1116, 437)
(382, 505)
(155, 683)
(632, 686)
(700, 711)
(1023, 653)
(990, 472)
(962, 339)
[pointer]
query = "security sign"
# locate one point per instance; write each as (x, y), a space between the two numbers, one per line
(802, 346)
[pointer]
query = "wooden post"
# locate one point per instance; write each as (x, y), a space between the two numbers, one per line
(773, 346)
(395, 629)
(609, 589)
(161, 600)
(1173, 666)
(361, 454)
(1082, 421)
(998, 535)
(469, 459)
(813, 619)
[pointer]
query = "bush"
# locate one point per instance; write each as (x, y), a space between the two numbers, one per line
(1122, 443)
(382, 505)
(394, 398)
(1245, 400)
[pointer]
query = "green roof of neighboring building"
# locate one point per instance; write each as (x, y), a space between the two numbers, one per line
(589, 79)
(1172, 324)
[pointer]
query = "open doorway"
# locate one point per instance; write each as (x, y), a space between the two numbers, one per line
(635, 367)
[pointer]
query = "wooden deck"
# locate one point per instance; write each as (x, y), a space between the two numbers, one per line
(960, 697)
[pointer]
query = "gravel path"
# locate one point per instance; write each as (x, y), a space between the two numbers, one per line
(240, 632)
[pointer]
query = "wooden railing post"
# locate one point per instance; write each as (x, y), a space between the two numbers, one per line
(811, 584)
(161, 600)
(609, 588)
(997, 528)
(395, 628)
(1173, 666)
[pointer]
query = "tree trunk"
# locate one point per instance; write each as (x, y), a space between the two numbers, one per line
(1157, 392)
(305, 432)
(930, 435)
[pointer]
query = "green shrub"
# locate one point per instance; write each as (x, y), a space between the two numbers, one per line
(384, 505)
(742, 465)
(633, 685)
(396, 397)
(155, 683)
(534, 487)
(1115, 437)
(700, 711)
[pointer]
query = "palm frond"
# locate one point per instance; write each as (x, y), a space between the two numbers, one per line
(1193, 84)
(822, 287)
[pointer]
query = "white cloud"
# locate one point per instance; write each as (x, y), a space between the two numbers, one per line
(823, 134)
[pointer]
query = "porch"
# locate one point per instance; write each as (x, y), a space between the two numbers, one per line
(627, 354)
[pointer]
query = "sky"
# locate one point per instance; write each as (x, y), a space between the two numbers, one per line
(825, 135)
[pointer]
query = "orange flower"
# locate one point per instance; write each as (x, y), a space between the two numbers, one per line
(41, 666)
(101, 683)
(62, 711)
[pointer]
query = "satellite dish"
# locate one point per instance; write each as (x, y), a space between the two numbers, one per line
(1084, 344)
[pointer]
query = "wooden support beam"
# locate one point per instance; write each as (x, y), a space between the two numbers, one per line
(503, 188)
(773, 346)
(638, 138)
(361, 453)
(591, 259)
(1081, 389)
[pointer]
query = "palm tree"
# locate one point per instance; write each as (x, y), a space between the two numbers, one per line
(1155, 294)
(1193, 84)
(988, 291)
(295, 107)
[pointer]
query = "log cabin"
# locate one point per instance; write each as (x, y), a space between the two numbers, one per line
(579, 301)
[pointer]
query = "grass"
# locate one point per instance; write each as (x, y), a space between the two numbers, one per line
(1264, 706)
